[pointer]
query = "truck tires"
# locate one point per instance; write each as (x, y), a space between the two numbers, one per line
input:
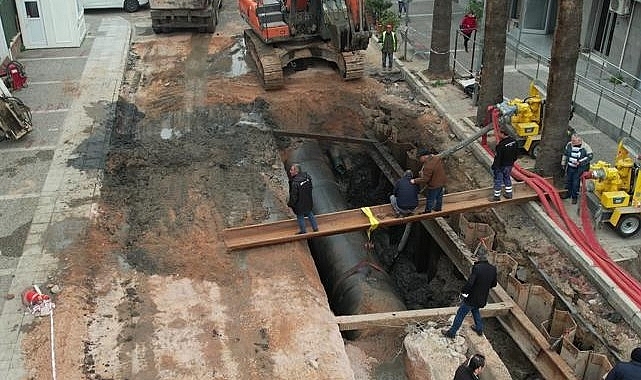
(628, 225)
(212, 21)
(131, 5)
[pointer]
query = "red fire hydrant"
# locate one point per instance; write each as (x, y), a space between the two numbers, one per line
(32, 297)
(17, 75)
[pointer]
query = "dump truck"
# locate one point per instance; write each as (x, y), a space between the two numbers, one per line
(167, 15)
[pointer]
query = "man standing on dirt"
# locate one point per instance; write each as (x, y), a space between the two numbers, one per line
(475, 293)
(388, 41)
(404, 198)
(627, 370)
(300, 198)
(506, 152)
(432, 176)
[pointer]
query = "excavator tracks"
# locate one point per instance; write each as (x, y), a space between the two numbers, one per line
(351, 65)
(267, 61)
(269, 66)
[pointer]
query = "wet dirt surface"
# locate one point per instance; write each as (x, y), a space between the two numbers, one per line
(152, 292)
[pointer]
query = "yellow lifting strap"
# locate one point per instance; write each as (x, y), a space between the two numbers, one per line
(373, 222)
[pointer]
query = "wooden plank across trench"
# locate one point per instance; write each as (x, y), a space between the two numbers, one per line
(339, 222)
(400, 318)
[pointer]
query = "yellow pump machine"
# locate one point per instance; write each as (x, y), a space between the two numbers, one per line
(615, 190)
(526, 120)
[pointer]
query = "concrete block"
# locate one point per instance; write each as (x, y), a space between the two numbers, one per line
(431, 356)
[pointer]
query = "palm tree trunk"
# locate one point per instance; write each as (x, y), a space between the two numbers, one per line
(493, 58)
(439, 64)
(560, 87)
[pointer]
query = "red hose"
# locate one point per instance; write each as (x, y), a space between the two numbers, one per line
(585, 237)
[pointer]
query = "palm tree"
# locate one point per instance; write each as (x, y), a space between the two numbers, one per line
(439, 64)
(493, 57)
(564, 55)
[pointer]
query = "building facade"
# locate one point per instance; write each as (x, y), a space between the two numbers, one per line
(610, 30)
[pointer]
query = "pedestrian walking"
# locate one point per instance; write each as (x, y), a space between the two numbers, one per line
(388, 40)
(402, 7)
(474, 293)
(576, 160)
(471, 370)
(300, 198)
(467, 27)
(627, 370)
(432, 176)
(505, 155)
(404, 198)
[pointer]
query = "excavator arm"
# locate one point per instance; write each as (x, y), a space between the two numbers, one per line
(345, 24)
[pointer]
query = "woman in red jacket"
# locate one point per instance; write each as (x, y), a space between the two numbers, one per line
(467, 26)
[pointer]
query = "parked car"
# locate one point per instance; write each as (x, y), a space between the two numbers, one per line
(127, 5)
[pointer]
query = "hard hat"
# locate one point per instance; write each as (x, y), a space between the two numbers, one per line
(389, 26)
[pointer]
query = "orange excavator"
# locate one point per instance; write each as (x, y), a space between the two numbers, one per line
(284, 32)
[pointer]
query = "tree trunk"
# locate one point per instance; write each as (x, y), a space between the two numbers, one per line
(439, 64)
(560, 87)
(491, 82)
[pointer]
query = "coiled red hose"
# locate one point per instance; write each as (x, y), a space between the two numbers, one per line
(584, 237)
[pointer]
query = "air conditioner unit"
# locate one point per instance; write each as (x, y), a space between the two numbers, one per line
(621, 7)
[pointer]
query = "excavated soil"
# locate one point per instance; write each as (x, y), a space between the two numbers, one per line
(152, 292)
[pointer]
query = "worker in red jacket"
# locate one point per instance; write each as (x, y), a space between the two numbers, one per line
(467, 27)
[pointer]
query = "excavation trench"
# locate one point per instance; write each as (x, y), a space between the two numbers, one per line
(389, 275)
(376, 274)
(225, 161)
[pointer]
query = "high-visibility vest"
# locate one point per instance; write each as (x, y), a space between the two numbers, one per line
(393, 39)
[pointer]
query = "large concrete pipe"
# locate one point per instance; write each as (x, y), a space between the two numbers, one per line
(354, 281)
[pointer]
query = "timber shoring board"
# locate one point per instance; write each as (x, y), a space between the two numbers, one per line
(321, 136)
(404, 317)
(258, 235)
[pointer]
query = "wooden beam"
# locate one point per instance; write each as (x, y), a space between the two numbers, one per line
(399, 318)
(321, 136)
(355, 220)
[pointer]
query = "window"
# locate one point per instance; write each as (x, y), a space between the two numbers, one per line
(32, 9)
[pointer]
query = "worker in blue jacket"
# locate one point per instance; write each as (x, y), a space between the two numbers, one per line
(404, 199)
(627, 370)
